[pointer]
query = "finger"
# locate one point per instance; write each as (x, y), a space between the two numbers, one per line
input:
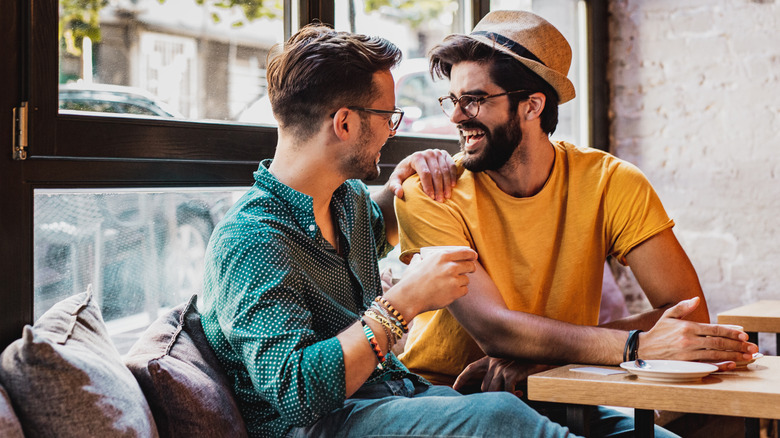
(460, 254)
(725, 366)
(446, 177)
(724, 331)
(421, 166)
(682, 309)
(452, 168)
(473, 371)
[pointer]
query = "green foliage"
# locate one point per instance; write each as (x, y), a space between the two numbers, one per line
(80, 18)
(414, 12)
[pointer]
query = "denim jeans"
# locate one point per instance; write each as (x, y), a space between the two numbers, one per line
(399, 409)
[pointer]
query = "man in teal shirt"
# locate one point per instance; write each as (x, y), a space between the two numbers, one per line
(292, 302)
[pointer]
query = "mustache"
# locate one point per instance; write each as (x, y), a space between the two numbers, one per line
(472, 125)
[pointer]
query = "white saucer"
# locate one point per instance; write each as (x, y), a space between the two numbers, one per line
(670, 370)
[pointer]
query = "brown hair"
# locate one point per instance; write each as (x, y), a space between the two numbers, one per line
(320, 70)
(507, 72)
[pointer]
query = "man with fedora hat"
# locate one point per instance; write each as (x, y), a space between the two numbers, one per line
(543, 216)
(293, 305)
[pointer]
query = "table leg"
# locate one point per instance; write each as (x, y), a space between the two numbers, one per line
(752, 427)
(644, 423)
(578, 419)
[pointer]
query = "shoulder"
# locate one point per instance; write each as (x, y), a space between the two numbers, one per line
(598, 164)
(463, 184)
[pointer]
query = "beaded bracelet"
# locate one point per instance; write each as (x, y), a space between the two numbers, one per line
(386, 323)
(387, 327)
(630, 351)
(395, 325)
(374, 346)
(394, 312)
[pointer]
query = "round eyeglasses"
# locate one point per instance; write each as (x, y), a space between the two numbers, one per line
(394, 117)
(469, 104)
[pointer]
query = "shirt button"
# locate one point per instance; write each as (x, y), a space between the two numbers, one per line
(312, 227)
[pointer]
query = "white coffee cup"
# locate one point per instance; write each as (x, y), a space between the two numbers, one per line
(426, 251)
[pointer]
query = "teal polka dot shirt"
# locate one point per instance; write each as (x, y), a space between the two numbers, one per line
(276, 294)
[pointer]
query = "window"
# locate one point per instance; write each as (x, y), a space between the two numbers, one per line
(159, 122)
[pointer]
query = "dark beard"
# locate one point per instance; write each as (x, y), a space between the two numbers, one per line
(500, 145)
(360, 165)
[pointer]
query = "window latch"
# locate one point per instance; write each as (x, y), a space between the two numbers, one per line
(20, 132)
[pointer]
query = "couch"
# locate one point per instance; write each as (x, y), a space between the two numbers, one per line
(65, 378)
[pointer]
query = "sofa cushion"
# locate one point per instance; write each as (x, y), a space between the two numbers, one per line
(9, 423)
(67, 379)
(185, 384)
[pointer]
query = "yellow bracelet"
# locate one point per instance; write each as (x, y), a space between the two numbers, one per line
(386, 324)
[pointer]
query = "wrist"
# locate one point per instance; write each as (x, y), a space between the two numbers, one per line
(397, 299)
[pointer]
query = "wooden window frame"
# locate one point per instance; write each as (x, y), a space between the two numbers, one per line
(70, 151)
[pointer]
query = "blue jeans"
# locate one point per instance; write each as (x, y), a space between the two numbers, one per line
(399, 409)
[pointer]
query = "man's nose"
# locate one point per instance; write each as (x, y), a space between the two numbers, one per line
(458, 115)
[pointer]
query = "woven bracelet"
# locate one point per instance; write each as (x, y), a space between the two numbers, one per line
(392, 332)
(394, 312)
(372, 341)
(395, 325)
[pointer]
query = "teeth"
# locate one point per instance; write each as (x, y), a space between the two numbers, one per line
(471, 132)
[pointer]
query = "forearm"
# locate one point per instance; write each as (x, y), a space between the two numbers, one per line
(522, 336)
(642, 321)
(359, 359)
(384, 198)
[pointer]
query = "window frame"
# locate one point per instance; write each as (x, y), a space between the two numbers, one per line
(75, 151)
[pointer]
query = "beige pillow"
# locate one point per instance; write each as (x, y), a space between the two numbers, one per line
(182, 378)
(66, 378)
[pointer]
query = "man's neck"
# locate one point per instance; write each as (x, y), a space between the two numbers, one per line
(306, 167)
(528, 169)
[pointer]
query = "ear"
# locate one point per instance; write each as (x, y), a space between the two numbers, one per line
(343, 123)
(533, 106)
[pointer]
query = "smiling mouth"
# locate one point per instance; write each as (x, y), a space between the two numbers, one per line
(471, 137)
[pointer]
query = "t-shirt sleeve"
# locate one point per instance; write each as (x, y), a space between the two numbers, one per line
(633, 211)
(423, 221)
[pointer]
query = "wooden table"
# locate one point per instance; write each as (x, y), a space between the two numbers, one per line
(761, 316)
(751, 393)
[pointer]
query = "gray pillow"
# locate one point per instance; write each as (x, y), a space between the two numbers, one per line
(9, 424)
(66, 378)
(188, 390)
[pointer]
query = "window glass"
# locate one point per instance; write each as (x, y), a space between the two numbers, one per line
(141, 251)
(186, 59)
(569, 17)
(415, 27)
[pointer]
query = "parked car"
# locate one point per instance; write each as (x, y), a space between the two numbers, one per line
(416, 93)
(116, 99)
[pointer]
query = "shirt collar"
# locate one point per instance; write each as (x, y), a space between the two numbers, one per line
(301, 205)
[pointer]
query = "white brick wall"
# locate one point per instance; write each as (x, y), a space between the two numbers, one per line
(695, 90)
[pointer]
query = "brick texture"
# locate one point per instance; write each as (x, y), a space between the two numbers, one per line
(695, 103)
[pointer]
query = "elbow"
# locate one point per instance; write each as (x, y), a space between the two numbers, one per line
(494, 341)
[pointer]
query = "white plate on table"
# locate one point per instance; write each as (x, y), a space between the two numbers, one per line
(670, 370)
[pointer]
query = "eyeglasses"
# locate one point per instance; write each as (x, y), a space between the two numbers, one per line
(394, 120)
(468, 103)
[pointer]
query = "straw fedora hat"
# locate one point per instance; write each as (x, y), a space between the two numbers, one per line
(533, 41)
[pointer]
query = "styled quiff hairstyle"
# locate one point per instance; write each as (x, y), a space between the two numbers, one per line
(507, 72)
(320, 70)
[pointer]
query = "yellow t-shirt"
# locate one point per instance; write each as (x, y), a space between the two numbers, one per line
(545, 252)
